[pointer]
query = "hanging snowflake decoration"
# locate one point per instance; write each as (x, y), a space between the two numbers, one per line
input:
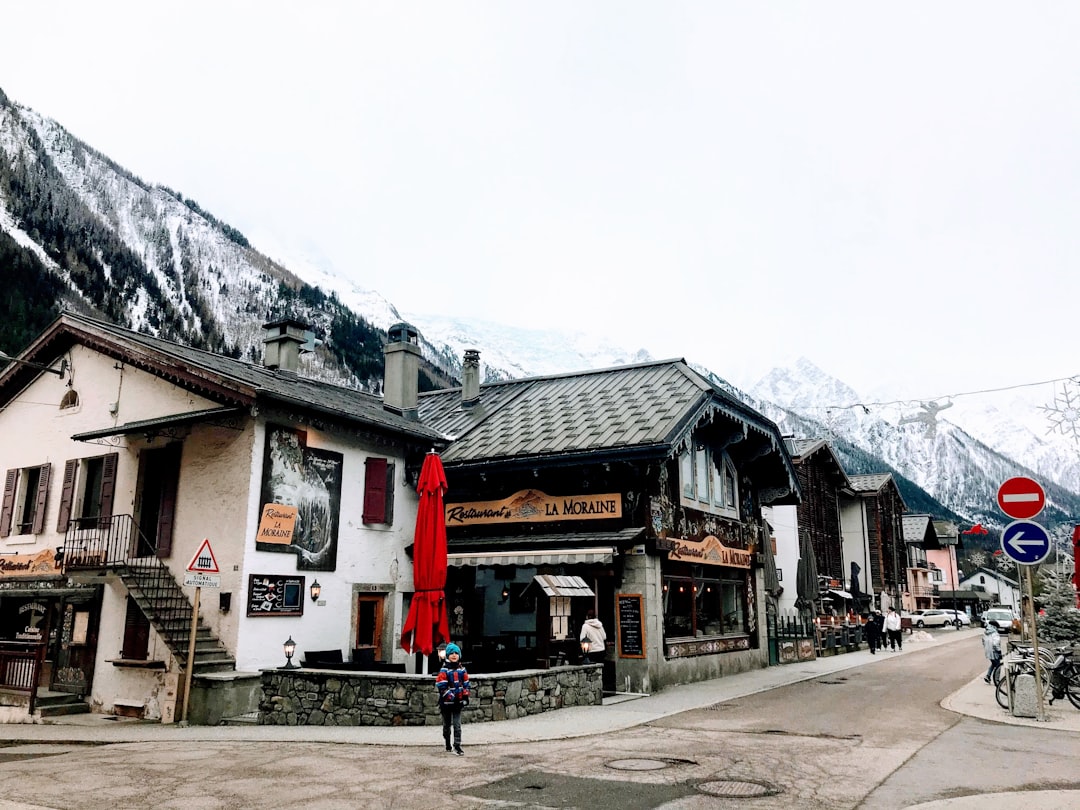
(1064, 414)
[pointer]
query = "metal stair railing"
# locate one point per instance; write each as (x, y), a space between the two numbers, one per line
(116, 543)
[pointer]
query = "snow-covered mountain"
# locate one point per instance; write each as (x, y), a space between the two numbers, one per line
(145, 257)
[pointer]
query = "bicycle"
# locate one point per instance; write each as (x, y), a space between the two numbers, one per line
(1060, 671)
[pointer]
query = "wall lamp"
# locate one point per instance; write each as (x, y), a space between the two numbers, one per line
(60, 372)
(290, 651)
(316, 590)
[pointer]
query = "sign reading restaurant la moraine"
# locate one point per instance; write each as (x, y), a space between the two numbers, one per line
(534, 506)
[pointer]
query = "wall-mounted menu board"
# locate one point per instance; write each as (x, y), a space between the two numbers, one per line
(631, 630)
(275, 595)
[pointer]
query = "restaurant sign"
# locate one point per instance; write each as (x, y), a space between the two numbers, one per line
(533, 506)
(709, 551)
(28, 565)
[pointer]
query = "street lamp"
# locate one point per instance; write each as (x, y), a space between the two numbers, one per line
(290, 651)
(585, 652)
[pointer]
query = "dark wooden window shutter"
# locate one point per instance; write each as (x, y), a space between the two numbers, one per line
(388, 518)
(42, 498)
(67, 494)
(108, 485)
(136, 633)
(375, 490)
(167, 512)
(9, 502)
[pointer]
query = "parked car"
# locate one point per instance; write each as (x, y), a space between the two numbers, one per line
(1003, 619)
(959, 618)
(930, 618)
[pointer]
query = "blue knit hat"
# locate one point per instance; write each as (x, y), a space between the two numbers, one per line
(452, 648)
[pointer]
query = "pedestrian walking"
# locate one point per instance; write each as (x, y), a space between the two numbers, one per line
(453, 685)
(892, 628)
(593, 632)
(992, 650)
(874, 627)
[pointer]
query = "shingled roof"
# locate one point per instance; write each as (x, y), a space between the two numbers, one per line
(647, 410)
(230, 382)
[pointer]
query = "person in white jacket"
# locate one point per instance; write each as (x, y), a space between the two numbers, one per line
(593, 632)
(892, 628)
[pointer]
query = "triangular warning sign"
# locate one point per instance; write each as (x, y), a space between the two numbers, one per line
(204, 561)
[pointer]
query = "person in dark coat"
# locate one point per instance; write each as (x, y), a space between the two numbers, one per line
(874, 627)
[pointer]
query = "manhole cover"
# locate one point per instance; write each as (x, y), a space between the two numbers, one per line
(738, 790)
(638, 764)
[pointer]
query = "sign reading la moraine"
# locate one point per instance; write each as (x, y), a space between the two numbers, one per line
(533, 506)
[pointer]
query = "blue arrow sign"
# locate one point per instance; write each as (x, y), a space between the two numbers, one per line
(1025, 542)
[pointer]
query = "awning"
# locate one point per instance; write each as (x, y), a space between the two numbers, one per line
(556, 585)
(534, 557)
(159, 423)
(841, 594)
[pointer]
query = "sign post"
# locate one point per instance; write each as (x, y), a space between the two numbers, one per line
(1026, 543)
(202, 572)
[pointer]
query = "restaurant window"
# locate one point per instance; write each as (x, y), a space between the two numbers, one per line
(378, 491)
(88, 489)
(704, 605)
(25, 494)
(708, 482)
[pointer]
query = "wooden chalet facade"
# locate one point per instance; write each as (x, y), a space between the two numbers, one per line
(635, 491)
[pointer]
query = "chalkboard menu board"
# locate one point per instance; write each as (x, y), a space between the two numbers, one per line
(631, 630)
(274, 595)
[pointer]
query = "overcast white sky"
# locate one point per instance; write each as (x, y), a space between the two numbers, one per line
(889, 190)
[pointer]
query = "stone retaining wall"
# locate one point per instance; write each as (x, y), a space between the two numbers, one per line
(320, 697)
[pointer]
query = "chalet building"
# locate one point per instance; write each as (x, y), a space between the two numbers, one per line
(147, 483)
(873, 537)
(129, 460)
(993, 588)
(816, 519)
(919, 538)
(854, 525)
(634, 491)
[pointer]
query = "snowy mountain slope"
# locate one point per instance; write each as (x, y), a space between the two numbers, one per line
(163, 265)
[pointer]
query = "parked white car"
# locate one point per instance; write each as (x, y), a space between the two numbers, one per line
(959, 618)
(931, 618)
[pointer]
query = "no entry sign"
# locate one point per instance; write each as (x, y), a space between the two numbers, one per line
(1021, 498)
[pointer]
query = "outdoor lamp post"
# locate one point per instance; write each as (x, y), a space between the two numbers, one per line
(316, 589)
(585, 652)
(290, 651)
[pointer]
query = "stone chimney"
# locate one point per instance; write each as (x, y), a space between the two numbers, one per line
(470, 379)
(401, 374)
(283, 342)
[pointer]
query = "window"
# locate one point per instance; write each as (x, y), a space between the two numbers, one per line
(70, 400)
(704, 605)
(87, 494)
(378, 491)
(708, 482)
(25, 493)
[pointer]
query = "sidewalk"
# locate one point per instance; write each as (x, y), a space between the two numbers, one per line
(617, 713)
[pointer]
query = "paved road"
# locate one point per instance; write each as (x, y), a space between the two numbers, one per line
(857, 733)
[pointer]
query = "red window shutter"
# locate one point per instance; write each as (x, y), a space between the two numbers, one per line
(42, 498)
(67, 494)
(375, 490)
(9, 502)
(108, 484)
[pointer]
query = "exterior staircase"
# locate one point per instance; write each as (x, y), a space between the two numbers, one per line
(115, 545)
(168, 609)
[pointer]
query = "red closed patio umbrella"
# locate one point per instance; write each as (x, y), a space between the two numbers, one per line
(427, 623)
